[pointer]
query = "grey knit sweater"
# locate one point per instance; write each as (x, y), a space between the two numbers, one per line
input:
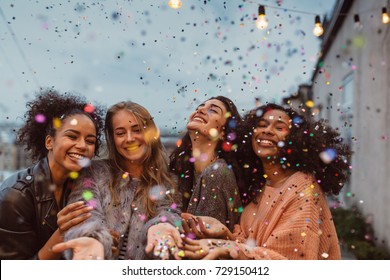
(126, 216)
(216, 194)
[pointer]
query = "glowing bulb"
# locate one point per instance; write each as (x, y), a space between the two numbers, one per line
(261, 22)
(175, 4)
(385, 16)
(318, 30)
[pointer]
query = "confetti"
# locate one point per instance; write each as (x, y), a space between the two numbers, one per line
(40, 118)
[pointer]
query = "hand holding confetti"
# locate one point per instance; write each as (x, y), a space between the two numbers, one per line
(204, 227)
(164, 240)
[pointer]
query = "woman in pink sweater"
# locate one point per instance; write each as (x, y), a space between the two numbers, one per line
(292, 163)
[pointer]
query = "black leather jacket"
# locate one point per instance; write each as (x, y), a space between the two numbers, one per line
(28, 212)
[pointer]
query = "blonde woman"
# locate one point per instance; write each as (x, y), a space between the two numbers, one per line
(132, 194)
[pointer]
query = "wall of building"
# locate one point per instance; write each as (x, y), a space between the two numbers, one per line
(355, 81)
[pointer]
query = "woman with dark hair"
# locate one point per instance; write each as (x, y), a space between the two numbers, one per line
(288, 218)
(62, 133)
(132, 194)
(205, 163)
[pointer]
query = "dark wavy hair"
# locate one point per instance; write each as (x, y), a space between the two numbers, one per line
(184, 169)
(46, 107)
(302, 151)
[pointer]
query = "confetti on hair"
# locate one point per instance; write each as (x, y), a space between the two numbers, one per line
(40, 118)
(259, 113)
(227, 146)
(89, 108)
(232, 123)
(231, 136)
(328, 155)
(297, 120)
(57, 123)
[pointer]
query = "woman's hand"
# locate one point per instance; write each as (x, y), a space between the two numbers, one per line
(84, 248)
(72, 214)
(164, 239)
(204, 227)
(210, 249)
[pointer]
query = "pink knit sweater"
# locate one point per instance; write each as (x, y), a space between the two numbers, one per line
(290, 222)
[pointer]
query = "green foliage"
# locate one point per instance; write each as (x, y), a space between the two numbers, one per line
(356, 235)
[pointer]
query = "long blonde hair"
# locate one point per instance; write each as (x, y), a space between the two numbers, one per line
(155, 165)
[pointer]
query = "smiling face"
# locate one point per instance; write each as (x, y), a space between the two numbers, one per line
(272, 128)
(129, 137)
(73, 143)
(208, 119)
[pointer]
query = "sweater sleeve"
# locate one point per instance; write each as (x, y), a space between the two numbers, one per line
(95, 226)
(218, 195)
(294, 231)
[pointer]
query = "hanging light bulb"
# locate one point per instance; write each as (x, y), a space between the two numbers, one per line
(318, 29)
(261, 22)
(175, 4)
(385, 16)
(358, 24)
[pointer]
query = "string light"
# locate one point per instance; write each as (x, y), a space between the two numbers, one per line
(261, 22)
(318, 29)
(385, 16)
(175, 4)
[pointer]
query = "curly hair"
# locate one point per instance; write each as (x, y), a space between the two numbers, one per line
(312, 147)
(48, 106)
(180, 158)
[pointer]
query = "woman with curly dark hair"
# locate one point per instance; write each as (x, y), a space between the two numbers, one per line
(205, 163)
(62, 132)
(288, 217)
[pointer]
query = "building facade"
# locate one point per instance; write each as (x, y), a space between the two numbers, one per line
(351, 88)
